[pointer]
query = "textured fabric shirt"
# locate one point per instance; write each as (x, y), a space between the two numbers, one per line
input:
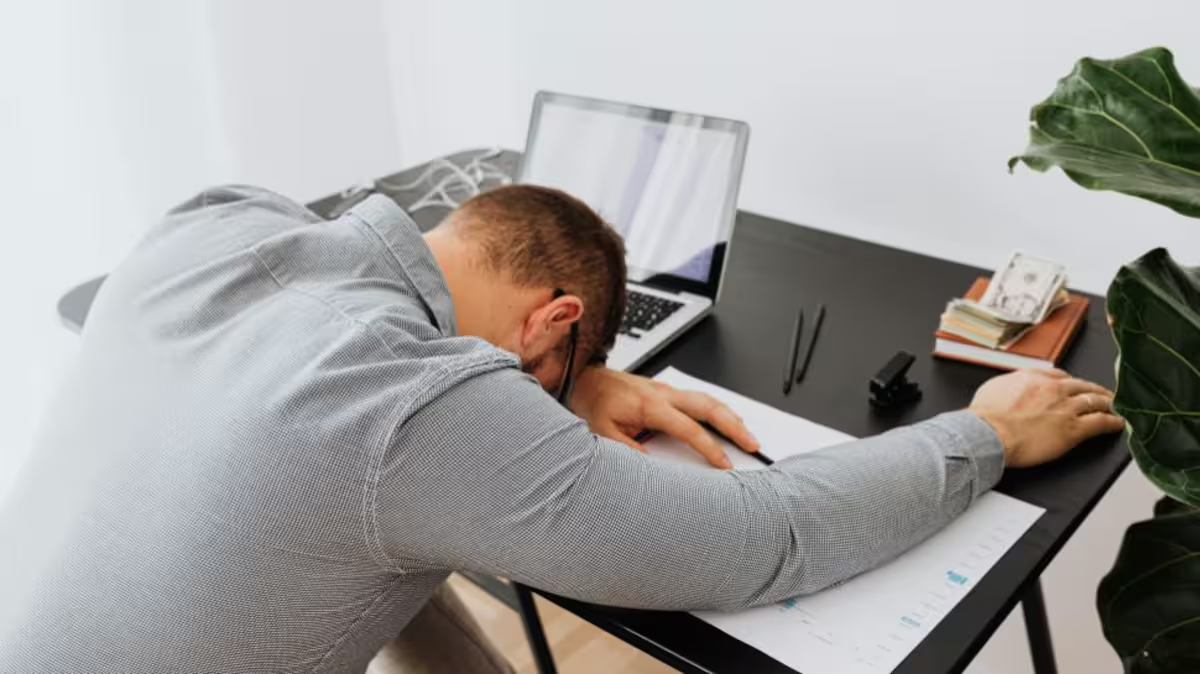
(274, 446)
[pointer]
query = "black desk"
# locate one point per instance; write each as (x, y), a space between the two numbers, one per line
(880, 300)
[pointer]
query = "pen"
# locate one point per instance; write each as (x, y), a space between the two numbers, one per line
(811, 342)
(766, 460)
(790, 373)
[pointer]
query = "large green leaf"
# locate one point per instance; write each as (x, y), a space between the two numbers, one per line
(1150, 601)
(1130, 125)
(1155, 308)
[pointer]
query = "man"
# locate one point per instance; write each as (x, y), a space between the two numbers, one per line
(283, 434)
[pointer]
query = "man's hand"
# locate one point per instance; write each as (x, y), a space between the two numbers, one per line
(1041, 414)
(620, 406)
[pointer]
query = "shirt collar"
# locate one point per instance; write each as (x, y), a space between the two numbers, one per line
(403, 239)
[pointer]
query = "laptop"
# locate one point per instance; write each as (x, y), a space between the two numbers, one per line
(667, 181)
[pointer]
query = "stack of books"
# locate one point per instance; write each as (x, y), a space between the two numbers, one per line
(974, 335)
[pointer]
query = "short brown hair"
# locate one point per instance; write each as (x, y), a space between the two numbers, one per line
(544, 237)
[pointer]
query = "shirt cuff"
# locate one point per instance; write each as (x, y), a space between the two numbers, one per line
(976, 440)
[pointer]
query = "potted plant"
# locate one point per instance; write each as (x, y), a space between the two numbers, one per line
(1132, 125)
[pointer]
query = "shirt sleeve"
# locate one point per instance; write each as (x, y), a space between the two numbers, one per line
(494, 476)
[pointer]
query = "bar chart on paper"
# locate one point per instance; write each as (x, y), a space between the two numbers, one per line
(869, 624)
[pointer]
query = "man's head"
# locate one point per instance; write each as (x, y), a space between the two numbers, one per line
(506, 252)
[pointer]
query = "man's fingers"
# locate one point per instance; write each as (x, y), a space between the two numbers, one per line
(1053, 372)
(1090, 403)
(660, 386)
(1076, 386)
(1100, 423)
(682, 427)
(611, 432)
(709, 410)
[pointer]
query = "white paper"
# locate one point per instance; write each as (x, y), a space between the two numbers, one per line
(780, 434)
(869, 624)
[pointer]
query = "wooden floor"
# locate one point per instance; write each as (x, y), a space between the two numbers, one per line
(578, 647)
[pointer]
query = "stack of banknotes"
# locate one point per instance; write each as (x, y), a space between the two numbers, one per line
(1020, 295)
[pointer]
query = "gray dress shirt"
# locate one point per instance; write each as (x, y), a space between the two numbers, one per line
(274, 446)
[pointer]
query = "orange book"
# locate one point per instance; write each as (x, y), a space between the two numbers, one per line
(1041, 347)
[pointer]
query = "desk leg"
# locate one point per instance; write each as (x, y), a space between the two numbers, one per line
(1037, 626)
(533, 630)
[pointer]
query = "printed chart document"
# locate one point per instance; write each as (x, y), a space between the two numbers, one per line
(869, 624)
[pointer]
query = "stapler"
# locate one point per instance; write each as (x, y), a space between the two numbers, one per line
(890, 387)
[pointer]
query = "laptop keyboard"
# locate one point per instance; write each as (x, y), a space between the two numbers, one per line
(643, 312)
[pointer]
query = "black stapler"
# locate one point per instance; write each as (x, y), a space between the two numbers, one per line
(890, 386)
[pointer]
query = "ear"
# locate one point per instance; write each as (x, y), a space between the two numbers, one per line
(548, 324)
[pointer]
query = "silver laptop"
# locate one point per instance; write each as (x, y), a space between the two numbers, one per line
(667, 181)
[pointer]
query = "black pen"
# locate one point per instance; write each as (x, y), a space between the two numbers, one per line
(758, 455)
(790, 373)
(811, 342)
(766, 460)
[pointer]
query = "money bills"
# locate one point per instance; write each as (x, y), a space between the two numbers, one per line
(1023, 290)
(1019, 296)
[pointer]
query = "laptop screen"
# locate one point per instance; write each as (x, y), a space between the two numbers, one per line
(666, 181)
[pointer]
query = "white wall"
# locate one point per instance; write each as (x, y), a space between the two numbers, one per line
(112, 112)
(889, 121)
(91, 134)
(305, 92)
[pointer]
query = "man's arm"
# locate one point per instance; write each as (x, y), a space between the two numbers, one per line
(495, 477)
